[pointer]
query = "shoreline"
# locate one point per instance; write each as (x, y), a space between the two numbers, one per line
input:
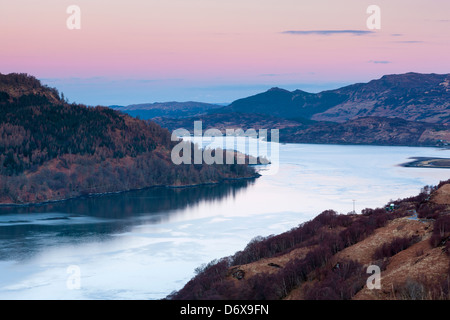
(428, 162)
(100, 194)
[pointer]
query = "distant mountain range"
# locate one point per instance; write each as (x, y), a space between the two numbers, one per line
(410, 96)
(167, 109)
(406, 109)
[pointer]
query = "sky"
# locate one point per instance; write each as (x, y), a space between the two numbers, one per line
(139, 51)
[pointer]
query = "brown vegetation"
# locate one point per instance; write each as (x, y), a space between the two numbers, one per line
(328, 257)
(52, 150)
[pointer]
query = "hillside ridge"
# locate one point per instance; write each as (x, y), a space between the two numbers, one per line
(409, 109)
(328, 257)
(52, 150)
(411, 96)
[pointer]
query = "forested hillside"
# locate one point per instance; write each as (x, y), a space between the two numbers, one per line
(50, 149)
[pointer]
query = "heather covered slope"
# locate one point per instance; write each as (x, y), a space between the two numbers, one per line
(52, 150)
(328, 257)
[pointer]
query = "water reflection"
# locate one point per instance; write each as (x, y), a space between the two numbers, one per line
(145, 244)
(24, 230)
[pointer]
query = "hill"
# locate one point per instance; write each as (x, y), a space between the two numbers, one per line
(370, 131)
(409, 109)
(223, 121)
(173, 109)
(365, 130)
(328, 258)
(53, 150)
(410, 96)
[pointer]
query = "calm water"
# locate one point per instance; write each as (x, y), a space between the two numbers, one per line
(145, 244)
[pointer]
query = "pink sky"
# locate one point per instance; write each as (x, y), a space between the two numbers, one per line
(158, 45)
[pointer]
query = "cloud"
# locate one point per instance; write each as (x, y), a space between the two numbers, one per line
(379, 61)
(404, 41)
(409, 41)
(328, 32)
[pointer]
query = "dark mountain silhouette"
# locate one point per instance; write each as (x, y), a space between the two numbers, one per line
(285, 104)
(410, 96)
(167, 109)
